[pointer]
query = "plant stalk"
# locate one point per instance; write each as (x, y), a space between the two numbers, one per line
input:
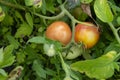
(64, 66)
(24, 9)
(115, 32)
(117, 57)
(118, 29)
(50, 18)
(12, 5)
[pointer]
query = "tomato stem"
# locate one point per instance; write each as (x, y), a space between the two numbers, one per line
(12, 5)
(117, 57)
(118, 29)
(69, 15)
(64, 65)
(115, 32)
(50, 18)
(73, 20)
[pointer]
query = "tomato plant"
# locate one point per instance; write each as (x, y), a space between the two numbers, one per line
(87, 33)
(59, 40)
(59, 31)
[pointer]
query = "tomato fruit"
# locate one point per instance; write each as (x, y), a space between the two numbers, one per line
(87, 33)
(79, 14)
(74, 52)
(59, 31)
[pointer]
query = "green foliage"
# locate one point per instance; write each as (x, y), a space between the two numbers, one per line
(118, 20)
(86, 1)
(12, 41)
(3, 74)
(99, 68)
(8, 20)
(113, 46)
(23, 30)
(34, 3)
(103, 11)
(49, 6)
(37, 39)
(1, 55)
(20, 57)
(59, 1)
(2, 14)
(8, 58)
(29, 2)
(38, 68)
(29, 19)
(19, 16)
(23, 44)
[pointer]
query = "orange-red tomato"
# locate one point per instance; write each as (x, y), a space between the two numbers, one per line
(87, 33)
(59, 31)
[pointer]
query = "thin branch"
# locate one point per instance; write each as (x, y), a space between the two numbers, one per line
(118, 29)
(115, 32)
(51, 18)
(12, 5)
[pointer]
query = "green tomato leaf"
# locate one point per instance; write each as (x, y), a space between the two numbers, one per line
(37, 39)
(86, 1)
(118, 20)
(103, 11)
(8, 20)
(2, 14)
(23, 30)
(19, 16)
(8, 56)
(29, 2)
(43, 7)
(20, 57)
(29, 19)
(30, 56)
(59, 1)
(3, 77)
(12, 41)
(113, 46)
(49, 6)
(1, 55)
(38, 68)
(3, 74)
(99, 68)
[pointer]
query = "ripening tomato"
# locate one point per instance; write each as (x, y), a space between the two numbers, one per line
(59, 31)
(87, 33)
